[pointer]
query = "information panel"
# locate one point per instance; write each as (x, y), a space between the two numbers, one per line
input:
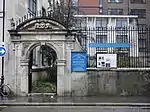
(78, 61)
(106, 60)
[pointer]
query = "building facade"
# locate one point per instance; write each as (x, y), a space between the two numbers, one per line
(117, 7)
(27, 29)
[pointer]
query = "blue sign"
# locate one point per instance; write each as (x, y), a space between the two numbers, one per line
(78, 61)
(2, 51)
(109, 45)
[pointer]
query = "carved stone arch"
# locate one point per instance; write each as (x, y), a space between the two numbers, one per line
(31, 37)
(37, 22)
(34, 45)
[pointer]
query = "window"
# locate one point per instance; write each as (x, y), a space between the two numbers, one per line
(84, 41)
(121, 22)
(115, 1)
(137, 1)
(34, 57)
(121, 39)
(121, 26)
(141, 13)
(82, 23)
(142, 28)
(32, 6)
(101, 22)
(75, 3)
(115, 11)
(142, 43)
(101, 26)
(101, 39)
(43, 11)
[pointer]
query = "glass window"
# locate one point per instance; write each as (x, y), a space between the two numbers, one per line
(141, 13)
(115, 11)
(122, 39)
(121, 22)
(83, 23)
(115, 1)
(137, 1)
(83, 41)
(1, 5)
(74, 2)
(121, 26)
(101, 22)
(43, 11)
(142, 43)
(101, 38)
(32, 6)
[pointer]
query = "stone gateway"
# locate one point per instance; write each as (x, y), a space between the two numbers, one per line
(46, 32)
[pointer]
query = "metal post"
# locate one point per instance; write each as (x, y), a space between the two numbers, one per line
(3, 34)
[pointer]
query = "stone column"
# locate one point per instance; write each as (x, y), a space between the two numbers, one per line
(62, 78)
(24, 77)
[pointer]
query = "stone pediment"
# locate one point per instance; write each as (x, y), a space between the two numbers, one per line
(43, 26)
(40, 25)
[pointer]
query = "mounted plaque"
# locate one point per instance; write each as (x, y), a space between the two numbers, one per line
(78, 61)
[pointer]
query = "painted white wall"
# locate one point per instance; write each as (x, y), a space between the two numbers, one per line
(111, 35)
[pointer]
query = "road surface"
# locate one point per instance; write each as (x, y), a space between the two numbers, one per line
(71, 109)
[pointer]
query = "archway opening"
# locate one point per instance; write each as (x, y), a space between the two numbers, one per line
(42, 70)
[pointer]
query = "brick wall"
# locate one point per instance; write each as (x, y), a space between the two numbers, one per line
(89, 6)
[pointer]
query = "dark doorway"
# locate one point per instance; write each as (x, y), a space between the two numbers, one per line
(43, 70)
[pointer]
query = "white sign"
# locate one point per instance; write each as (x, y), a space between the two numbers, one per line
(106, 60)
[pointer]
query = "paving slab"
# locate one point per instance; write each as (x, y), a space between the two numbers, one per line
(74, 101)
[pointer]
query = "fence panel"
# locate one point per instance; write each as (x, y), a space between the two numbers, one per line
(130, 44)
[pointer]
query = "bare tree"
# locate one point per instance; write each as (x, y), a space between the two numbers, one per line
(66, 12)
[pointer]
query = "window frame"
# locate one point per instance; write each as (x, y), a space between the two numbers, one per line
(140, 15)
(134, 2)
(120, 1)
(32, 7)
(116, 10)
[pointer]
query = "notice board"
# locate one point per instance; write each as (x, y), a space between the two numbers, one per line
(78, 61)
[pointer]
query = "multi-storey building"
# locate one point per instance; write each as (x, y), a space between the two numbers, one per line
(117, 7)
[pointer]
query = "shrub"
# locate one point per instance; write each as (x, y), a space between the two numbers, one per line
(43, 87)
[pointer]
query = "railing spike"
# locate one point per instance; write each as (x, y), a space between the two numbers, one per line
(40, 13)
(30, 15)
(25, 17)
(19, 20)
(37, 14)
(16, 23)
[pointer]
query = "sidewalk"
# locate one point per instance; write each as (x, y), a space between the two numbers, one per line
(74, 101)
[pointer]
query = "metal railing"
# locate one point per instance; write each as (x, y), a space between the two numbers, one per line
(136, 55)
(53, 15)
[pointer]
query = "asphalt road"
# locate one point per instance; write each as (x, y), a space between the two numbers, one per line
(72, 109)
